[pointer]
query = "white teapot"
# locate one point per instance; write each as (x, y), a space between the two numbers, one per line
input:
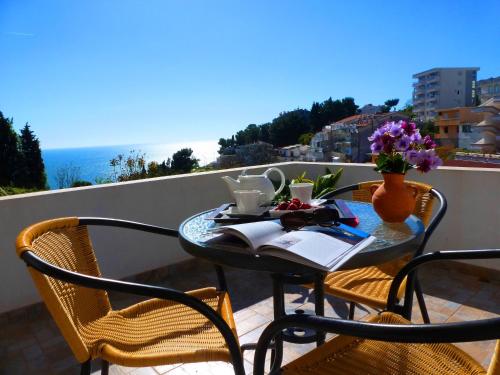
(257, 182)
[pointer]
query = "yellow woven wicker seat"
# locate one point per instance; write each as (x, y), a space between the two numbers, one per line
(174, 327)
(370, 285)
(159, 332)
(367, 285)
(345, 355)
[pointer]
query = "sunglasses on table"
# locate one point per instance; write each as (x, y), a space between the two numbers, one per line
(324, 217)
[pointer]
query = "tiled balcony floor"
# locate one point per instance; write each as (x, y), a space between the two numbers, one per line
(32, 344)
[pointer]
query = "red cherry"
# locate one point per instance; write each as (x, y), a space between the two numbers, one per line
(296, 200)
(282, 206)
(305, 206)
(293, 206)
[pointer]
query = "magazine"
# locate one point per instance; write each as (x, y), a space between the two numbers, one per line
(325, 248)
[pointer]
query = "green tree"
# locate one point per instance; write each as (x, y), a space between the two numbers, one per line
(335, 110)
(133, 167)
(183, 161)
(252, 134)
(31, 163)
(428, 128)
(67, 176)
(408, 111)
(315, 117)
(288, 126)
(9, 152)
(226, 143)
(350, 107)
(264, 132)
(389, 105)
(305, 138)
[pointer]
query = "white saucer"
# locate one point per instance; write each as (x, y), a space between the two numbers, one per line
(234, 211)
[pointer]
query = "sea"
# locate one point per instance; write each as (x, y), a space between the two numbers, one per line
(93, 163)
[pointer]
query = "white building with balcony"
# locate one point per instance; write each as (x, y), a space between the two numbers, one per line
(443, 88)
(489, 127)
(488, 88)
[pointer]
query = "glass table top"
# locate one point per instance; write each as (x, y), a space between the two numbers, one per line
(198, 230)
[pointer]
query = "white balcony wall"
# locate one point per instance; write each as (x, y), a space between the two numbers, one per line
(165, 201)
(471, 222)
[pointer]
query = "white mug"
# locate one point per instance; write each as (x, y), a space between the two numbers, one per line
(248, 201)
(302, 191)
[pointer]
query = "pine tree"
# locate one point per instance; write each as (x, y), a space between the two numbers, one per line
(315, 117)
(183, 161)
(32, 167)
(9, 152)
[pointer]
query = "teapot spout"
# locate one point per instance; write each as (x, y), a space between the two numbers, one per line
(231, 183)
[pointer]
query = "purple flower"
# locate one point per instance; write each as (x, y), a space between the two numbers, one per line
(436, 160)
(408, 127)
(412, 156)
(424, 165)
(387, 143)
(384, 128)
(395, 129)
(403, 143)
(428, 160)
(376, 147)
(416, 137)
(428, 142)
(376, 136)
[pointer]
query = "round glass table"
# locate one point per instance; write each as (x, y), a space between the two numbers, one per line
(392, 241)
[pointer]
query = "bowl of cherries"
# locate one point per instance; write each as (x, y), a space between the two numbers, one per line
(292, 205)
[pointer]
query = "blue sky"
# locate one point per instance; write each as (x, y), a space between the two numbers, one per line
(120, 71)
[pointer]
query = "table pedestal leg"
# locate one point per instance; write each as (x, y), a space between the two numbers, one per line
(279, 311)
(319, 303)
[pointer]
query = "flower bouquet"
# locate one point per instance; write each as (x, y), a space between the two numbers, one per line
(399, 147)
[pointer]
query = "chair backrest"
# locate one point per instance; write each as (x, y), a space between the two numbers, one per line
(66, 244)
(424, 202)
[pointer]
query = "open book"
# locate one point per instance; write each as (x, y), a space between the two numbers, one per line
(325, 248)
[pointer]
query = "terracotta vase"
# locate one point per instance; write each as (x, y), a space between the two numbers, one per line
(393, 200)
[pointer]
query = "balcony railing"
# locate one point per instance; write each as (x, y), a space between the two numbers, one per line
(167, 201)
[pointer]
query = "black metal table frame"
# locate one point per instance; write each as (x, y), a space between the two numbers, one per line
(288, 275)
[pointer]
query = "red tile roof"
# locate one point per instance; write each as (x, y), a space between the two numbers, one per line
(469, 163)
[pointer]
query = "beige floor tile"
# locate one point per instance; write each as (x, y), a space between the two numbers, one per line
(143, 371)
(34, 345)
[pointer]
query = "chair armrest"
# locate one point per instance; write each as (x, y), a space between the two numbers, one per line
(436, 219)
(486, 329)
(129, 225)
(32, 260)
(435, 257)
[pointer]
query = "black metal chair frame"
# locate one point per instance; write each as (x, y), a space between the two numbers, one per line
(486, 329)
(412, 284)
(32, 260)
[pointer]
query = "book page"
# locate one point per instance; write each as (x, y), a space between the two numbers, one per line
(254, 234)
(323, 247)
(310, 245)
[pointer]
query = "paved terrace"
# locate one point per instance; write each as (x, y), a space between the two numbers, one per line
(30, 342)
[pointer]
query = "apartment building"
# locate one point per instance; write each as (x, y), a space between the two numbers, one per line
(457, 127)
(488, 88)
(443, 88)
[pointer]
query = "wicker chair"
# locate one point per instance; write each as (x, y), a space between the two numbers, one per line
(387, 343)
(172, 327)
(370, 285)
